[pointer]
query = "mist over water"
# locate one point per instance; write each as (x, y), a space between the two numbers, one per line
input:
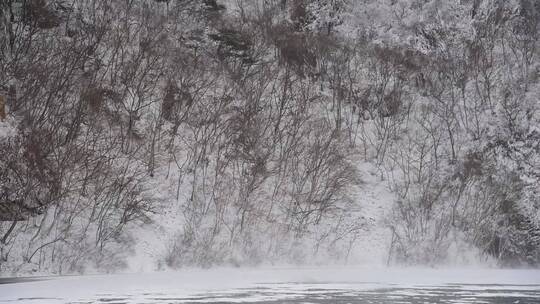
(285, 285)
(269, 151)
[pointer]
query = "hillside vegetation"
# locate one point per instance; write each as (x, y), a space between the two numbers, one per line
(252, 131)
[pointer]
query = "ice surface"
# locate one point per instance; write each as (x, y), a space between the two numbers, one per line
(286, 285)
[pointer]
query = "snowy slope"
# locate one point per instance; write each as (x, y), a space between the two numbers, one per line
(374, 201)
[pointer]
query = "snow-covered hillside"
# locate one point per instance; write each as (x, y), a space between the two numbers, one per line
(160, 134)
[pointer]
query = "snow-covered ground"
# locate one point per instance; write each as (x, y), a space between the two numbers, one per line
(286, 285)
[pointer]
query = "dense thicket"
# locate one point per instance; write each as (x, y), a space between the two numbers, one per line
(250, 118)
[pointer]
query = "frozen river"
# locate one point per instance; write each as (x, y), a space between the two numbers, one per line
(284, 285)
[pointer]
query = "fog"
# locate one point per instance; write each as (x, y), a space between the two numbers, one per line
(269, 151)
